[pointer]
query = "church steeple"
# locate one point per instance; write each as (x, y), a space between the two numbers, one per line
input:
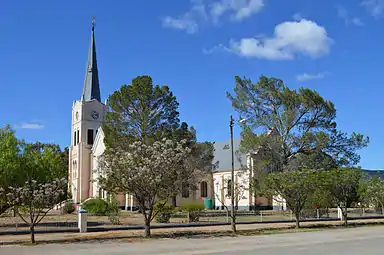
(91, 89)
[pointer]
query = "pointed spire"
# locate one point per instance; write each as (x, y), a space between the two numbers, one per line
(91, 89)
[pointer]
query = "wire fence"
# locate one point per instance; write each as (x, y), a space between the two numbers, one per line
(56, 220)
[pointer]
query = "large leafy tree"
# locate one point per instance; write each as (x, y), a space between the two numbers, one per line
(294, 187)
(21, 162)
(10, 164)
(299, 128)
(148, 113)
(342, 186)
(44, 162)
(141, 111)
(372, 191)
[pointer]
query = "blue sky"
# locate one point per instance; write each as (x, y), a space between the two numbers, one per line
(195, 47)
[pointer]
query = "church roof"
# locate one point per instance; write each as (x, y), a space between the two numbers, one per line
(223, 158)
(91, 89)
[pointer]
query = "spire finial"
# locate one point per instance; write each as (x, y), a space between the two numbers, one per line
(93, 22)
(91, 89)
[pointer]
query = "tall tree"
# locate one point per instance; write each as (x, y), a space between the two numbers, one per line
(44, 162)
(10, 165)
(303, 125)
(140, 111)
(21, 162)
(146, 112)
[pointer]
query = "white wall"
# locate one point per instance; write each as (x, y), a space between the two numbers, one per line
(220, 180)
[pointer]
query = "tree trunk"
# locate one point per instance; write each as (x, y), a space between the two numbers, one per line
(345, 215)
(32, 229)
(233, 225)
(297, 216)
(147, 231)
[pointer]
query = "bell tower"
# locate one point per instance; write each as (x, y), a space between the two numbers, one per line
(87, 116)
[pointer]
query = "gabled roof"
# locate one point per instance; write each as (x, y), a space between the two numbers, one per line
(223, 155)
(99, 139)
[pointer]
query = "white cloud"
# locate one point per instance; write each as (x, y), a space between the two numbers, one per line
(182, 23)
(307, 76)
(290, 38)
(375, 7)
(211, 11)
(343, 14)
(238, 9)
(29, 126)
(188, 20)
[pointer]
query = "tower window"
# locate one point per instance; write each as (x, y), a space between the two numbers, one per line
(78, 136)
(74, 138)
(203, 189)
(90, 137)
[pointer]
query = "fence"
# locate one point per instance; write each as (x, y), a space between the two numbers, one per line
(55, 221)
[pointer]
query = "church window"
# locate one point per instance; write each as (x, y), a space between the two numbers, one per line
(74, 138)
(74, 169)
(203, 189)
(185, 190)
(78, 136)
(229, 188)
(90, 137)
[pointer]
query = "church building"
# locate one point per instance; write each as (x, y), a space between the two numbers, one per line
(87, 147)
(87, 116)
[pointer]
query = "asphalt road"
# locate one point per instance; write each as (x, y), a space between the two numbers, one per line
(364, 240)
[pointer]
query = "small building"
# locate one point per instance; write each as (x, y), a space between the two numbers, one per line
(244, 199)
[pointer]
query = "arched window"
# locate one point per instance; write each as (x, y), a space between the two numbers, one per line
(203, 189)
(185, 190)
(229, 188)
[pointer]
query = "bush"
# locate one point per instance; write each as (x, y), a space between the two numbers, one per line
(96, 206)
(113, 212)
(193, 209)
(68, 208)
(164, 212)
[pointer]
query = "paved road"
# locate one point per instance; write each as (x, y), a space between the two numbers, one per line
(367, 240)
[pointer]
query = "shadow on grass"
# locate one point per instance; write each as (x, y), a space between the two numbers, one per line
(199, 234)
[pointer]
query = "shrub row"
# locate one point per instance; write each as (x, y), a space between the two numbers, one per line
(164, 212)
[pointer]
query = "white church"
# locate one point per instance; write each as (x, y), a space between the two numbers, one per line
(87, 147)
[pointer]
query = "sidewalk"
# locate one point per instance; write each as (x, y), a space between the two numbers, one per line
(136, 235)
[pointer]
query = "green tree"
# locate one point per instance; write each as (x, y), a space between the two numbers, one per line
(374, 191)
(342, 184)
(294, 187)
(299, 126)
(21, 162)
(148, 113)
(43, 162)
(10, 165)
(141, 111)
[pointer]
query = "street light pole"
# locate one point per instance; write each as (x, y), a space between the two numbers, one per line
(233, 216)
